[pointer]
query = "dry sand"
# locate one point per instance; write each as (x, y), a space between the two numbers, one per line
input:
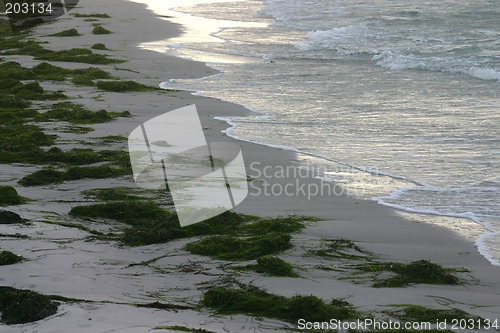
(62, 262)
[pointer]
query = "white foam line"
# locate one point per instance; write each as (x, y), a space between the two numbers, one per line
(228, 131)
(467, 215)
(483, 250)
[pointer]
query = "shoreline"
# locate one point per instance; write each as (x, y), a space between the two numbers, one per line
(376, 228)
(485, 232)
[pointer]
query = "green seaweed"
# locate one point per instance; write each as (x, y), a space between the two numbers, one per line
(272, 266)
(20, 91)
(86, 77)
(99, 46)
(43, 177)
(100, 30)
(164, 306)
(99, 15)
(112, 138)
(24, 306)
(257, 302)
(52, 176)
(20, 143)
(123, 86)
(67, 33)
(163, 226)
(77, 114)
(9, 196)
(48, 72)
(130, 212)
(341, 249)
(14, 70)
(421, 271)
(9, 258)
(112, 194)
(79, 156)
(7, 217)
(19, 46)
(235, 248)
(291, 223)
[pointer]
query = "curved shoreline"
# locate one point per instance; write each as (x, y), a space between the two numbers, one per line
(114, 278)
(478, 241)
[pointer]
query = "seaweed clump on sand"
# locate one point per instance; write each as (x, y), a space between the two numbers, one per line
(341, 249)
(67, 33)
(231, 236)
(24, 306)
(99, 46)
(97, 15)
(123, 86)
(18, 45)
(421, 271)
(7, 217)
(100, 30)
(272, 266)
(77, 114)
(253, 301)
(9, 196)
(238, 248)
(53, 176)
(9, 258)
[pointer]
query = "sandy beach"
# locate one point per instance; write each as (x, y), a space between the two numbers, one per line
(113, 279)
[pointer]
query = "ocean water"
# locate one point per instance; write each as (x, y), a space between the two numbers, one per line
(399, 99)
